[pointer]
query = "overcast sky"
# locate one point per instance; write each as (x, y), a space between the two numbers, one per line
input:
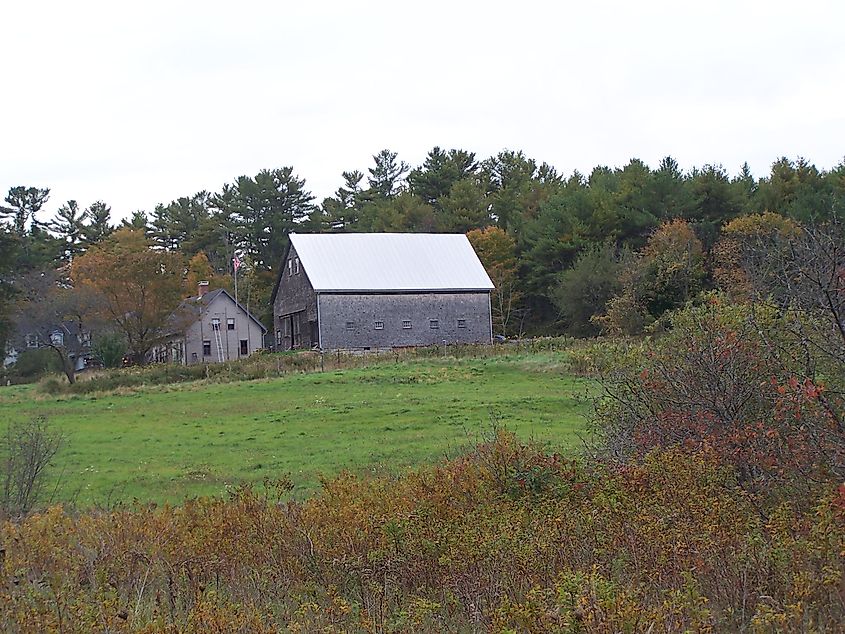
(139, 106)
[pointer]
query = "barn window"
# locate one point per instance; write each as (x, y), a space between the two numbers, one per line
(290, 268)
(244, 346)
(230, 323)
(206, 348)
(462, 323)
(379, 325)
(434, 324)
(296, 266)
(215, 324)
(406, 324)
(32, 341)
(278, 337)
(350, 325)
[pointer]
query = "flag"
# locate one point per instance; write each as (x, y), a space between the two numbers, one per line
(236, 262)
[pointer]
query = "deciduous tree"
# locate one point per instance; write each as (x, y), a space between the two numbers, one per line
(139, 287)
(52, 315)
(497, 252)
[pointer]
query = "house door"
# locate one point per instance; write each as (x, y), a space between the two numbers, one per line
(297, 329)
(293, 325)
(315, 334)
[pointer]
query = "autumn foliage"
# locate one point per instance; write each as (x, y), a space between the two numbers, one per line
(504, 537)
(718, 382)
(138, 287)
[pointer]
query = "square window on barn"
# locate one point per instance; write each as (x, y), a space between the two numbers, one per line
(244, 346)
(379, 325)
(206, 348)
(230, 323)
(215, 324)
(434, 324)
(462, 323)
(32, 341)
(406, 324)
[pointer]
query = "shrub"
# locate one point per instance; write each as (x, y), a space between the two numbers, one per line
(716, 381)
(670, 544)
(26, 450)
(33, 363)
(109, 350)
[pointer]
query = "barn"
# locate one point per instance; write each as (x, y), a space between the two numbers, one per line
(380, 290)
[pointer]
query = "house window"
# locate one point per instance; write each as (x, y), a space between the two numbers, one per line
(206, 348)
(434, 324)
(406, 324)
(215, 324)
(296, 266)
(379, 325)
(350, 325)
(244, 346)
(230, 323)
(462, 323)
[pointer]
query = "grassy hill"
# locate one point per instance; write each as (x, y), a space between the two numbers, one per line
(165, 443)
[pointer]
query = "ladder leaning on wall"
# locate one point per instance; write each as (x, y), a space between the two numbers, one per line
(215, 326)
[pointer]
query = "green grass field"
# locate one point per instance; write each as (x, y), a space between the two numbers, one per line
(167, 443)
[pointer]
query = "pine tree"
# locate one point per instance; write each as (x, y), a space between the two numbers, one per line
(69, 226)
(24, 203)
(99, 223)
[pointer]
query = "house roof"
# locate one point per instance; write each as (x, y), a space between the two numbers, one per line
(390, 262)
(189, 310)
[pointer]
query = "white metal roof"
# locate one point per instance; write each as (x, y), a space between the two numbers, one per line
(390, 262)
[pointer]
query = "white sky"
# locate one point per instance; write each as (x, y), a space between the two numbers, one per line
(141, 105)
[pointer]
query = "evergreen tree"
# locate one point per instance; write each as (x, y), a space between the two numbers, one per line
(263, 211)
(99, 223)
(69, 225)
(464, 208)
(177, 226)
(439, 173)
(137, 221)
(386, 176)
(516, 187)
(671, 196)
(24, 203)
(341, 212)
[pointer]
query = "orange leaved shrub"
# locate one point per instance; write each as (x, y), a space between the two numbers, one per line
(503, 538)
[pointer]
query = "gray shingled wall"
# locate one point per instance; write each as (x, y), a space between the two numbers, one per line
(349, 320)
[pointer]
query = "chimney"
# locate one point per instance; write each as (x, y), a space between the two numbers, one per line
(202, 288)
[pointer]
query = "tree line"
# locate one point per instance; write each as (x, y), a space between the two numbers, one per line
(577, 254)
